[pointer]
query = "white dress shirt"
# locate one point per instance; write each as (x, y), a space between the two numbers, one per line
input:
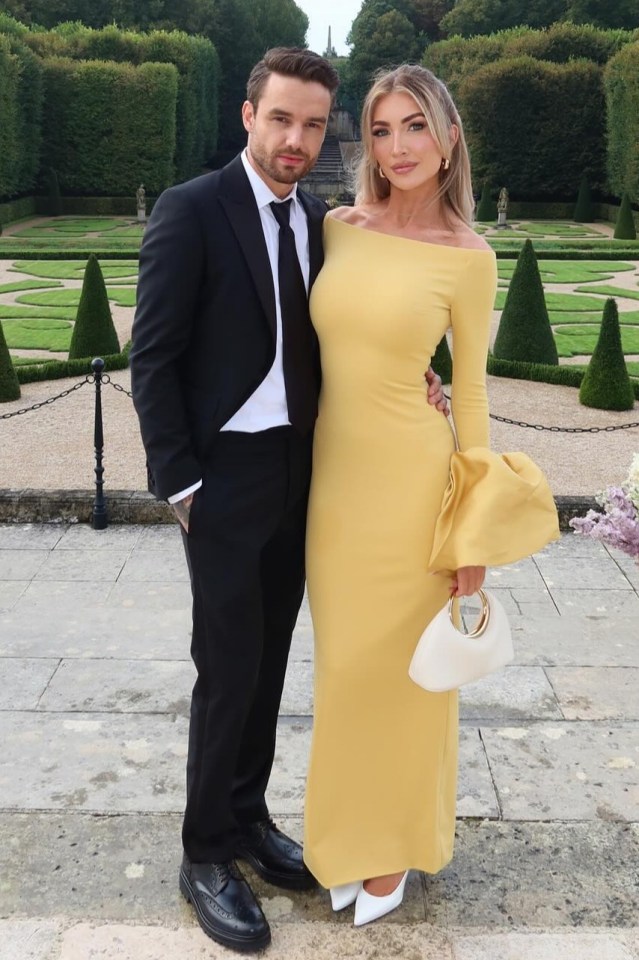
(266, 407)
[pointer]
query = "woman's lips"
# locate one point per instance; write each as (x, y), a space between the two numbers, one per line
(403, 167)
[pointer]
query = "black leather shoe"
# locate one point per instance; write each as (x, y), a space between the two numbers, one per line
(274, 856)
(225, 905)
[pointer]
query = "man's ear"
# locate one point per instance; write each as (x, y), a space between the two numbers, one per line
(248, 115)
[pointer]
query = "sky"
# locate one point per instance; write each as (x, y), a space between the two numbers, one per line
(322, 14)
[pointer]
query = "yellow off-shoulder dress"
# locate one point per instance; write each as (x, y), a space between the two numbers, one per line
(382, 779)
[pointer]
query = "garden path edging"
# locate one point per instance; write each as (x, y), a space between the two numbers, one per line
(136, 506)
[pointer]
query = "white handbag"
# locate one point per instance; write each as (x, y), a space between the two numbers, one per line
(445, 658)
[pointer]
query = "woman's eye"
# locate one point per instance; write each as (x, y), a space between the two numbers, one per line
(380, 133)
(417, 126)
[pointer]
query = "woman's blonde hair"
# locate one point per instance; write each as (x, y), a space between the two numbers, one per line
(436, 104)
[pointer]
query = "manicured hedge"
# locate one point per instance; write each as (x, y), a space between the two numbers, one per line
(517, 114)
(563, 375)
(93, 331)
(110, 126)
(606, 383)
(98, 206)
(563, 42)
(621, 81)
(197, 64)
(625, 228)
(458, 57)
(9, 385)
(524, 328)
(487, 207)
(57, 250)
(17, 209)
(59, 369)
(584, 207)
(21, 97)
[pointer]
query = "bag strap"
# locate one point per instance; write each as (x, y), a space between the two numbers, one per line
(483, 620)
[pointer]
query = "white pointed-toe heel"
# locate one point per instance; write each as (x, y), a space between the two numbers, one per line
(343, 896)
(369, 907)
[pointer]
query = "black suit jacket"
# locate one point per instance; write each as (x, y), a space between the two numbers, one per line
(204, 328)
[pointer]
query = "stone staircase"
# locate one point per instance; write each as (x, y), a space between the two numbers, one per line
(327, 178)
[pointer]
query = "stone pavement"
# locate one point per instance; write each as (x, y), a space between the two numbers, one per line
(94, 641)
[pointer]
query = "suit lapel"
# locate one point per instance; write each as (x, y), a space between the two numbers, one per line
(238, 201)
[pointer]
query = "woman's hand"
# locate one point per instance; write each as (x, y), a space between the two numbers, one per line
(436, 396)
(467, 581)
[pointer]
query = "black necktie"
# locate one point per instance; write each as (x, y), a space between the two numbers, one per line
(297, 338)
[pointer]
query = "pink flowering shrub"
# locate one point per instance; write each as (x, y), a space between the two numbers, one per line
(618, 525)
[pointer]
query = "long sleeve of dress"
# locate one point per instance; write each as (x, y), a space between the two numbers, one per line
(471, 314)
(496, 509)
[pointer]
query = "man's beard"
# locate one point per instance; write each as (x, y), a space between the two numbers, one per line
(281, 174)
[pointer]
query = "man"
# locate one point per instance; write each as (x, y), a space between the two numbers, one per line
(225, 373)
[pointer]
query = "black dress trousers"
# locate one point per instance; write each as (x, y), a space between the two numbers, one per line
(245, 549)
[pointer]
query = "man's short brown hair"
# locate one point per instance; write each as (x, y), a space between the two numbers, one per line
(291, 62)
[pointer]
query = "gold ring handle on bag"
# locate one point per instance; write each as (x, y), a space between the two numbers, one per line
(483, 620)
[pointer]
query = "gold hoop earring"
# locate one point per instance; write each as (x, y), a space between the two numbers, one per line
(445, 164)
(381, 172)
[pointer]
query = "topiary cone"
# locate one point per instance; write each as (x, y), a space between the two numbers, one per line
(524, 329)
(55, 200)
(9, 385)
(606, 383)
(442, 362)
(625, 226)
(93, 333)
(487, 207)
(584, 209)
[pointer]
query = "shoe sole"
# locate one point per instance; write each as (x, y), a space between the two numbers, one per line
(284, 880)
(225, 939)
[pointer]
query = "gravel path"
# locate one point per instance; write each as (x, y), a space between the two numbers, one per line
(53, 447)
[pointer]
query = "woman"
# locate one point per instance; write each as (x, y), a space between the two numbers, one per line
(401, 267)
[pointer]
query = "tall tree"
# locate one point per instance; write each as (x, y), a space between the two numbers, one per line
(470, 17)
(604, 13)
(280, 23)
(382, 34)
(241, 30)
(428, 16)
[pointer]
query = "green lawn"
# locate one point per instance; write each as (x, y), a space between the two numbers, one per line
(606, 291)
(79, 226)
(12, 311)
(558, 228)
(42, 318)
(570, 271)
(26, 285)
(554, 301)
(74, 269)
(125, 297)
(38, 334)
(575, 340)
(561, 317)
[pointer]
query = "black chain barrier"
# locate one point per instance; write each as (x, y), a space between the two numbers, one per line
(539, 426)
(99, 379)
(45, 403)
(118, 388)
